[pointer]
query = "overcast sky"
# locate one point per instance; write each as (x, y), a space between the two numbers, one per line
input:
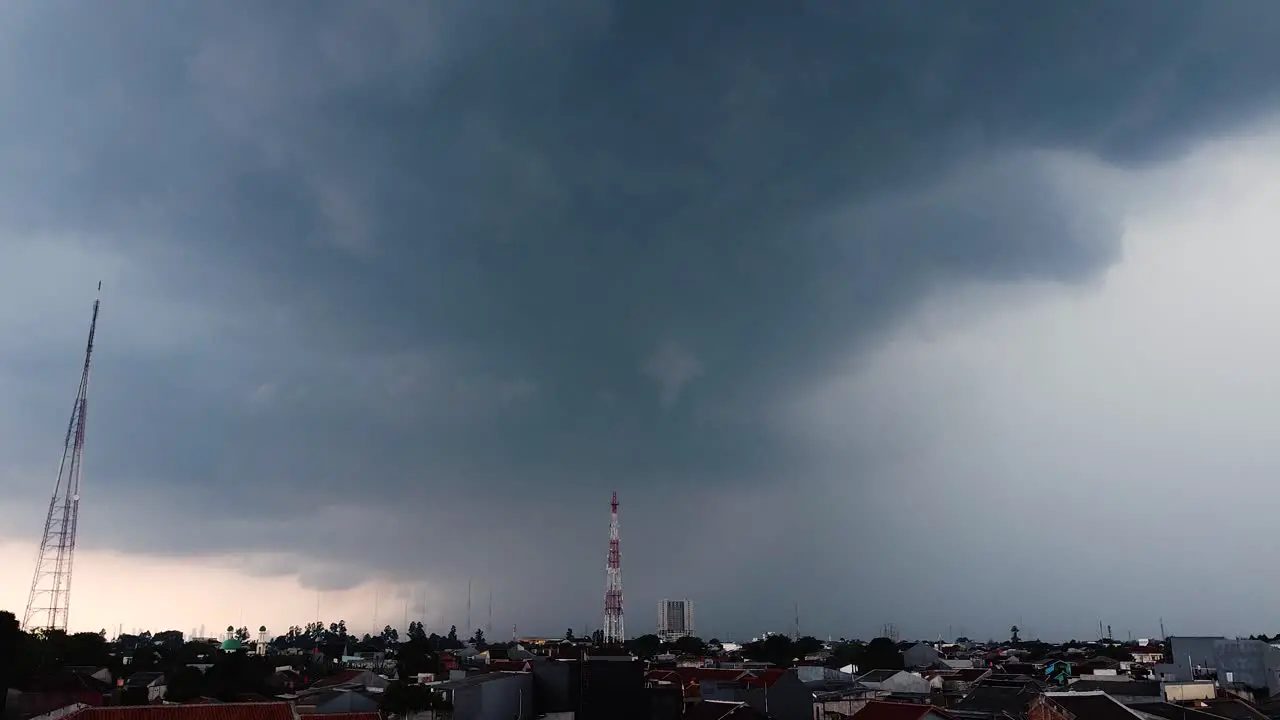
(950, 315)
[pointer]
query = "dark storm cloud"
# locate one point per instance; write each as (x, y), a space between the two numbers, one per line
(477, 263)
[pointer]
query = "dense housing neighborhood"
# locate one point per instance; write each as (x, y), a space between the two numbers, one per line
(325, 670)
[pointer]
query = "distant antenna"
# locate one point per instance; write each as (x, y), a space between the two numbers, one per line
(795, 631)
(1162, 635)
(468, 605)
(614, 632)
(375, 608)
(48, 604)
(488, 627)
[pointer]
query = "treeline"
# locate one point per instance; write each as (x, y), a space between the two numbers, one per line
(779, 650)
(26, 657)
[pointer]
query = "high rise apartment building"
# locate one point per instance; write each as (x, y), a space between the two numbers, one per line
(675, 619)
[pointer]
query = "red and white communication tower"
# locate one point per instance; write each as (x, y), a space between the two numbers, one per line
(48, 603)
(613, 630)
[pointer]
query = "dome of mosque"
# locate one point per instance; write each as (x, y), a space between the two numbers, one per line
(231, 645)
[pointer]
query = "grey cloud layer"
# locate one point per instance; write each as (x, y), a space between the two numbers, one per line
(486, 259)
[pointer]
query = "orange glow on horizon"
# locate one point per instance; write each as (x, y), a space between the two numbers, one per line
(145, 593)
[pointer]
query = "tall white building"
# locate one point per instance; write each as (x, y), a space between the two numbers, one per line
(675, 619)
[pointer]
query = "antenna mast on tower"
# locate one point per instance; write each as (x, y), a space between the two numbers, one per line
(613, 629)
(50, 598)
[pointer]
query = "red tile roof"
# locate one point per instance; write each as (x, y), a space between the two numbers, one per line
(225, 711)
(881, 710)
(691, 679)
(763, 678)
(342, 677)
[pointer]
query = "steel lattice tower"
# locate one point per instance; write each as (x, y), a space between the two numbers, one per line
(613, 630)
(48, 603)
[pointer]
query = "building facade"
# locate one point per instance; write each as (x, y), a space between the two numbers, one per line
(675, 619)
(1228, 662)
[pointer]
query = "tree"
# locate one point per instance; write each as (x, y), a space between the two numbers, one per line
(690, 645)
(168, 638)
(645, 646)
(881, 654)
(406, 699)
(774, 649)
(453, 633)
(145, 659)
(416, 631)
(568, 634)
(415, 657)
(390, 635)
(84, 648)
(1014, 632)
(848, 653)
(184, 683)
(807, 645)
(10, 639)
(194, 652)
(1116, 652)
(478, 638)
(597, 637)
(242, 634)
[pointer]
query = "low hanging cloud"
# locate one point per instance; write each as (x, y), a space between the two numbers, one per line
(397, 265)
